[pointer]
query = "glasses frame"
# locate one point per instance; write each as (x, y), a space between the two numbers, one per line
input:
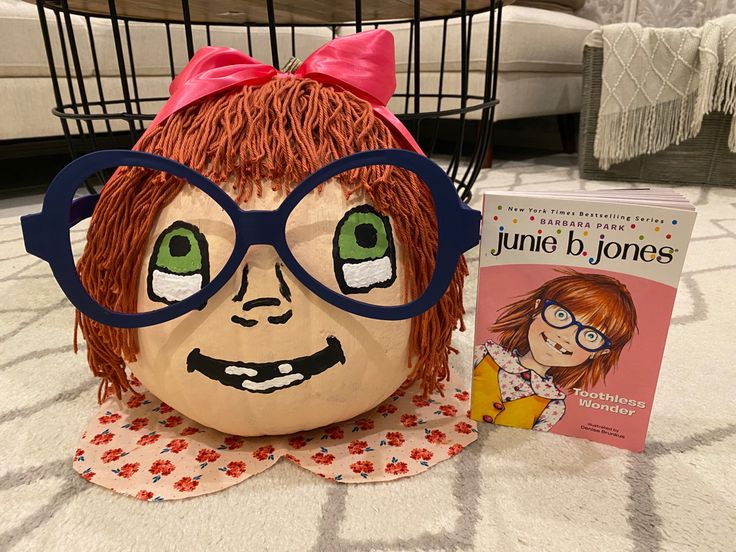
(581, 327)
(46, 234)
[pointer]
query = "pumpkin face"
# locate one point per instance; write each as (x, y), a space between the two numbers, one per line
(265, 356)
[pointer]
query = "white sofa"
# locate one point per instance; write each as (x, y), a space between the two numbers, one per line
(540, 69)
(25, 85)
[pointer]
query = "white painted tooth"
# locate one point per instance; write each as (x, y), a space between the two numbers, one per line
(281, 381)
(241, 371)
(285, 368)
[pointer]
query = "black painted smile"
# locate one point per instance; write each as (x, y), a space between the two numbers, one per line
(267, 377)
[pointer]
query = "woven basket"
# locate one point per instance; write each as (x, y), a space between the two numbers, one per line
(704, 159)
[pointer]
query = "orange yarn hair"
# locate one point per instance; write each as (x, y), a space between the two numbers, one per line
(600, 301)
(277, 133)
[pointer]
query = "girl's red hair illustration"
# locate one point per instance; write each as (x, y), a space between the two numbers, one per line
(252, 138)
(597, 300)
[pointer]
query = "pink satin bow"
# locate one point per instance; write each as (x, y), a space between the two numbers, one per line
(362, 63)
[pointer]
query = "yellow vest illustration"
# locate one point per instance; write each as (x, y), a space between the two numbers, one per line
(487, 404)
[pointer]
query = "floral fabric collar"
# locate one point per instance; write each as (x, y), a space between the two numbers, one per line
(140, 446)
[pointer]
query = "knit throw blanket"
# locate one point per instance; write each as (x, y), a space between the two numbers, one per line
(658, 84)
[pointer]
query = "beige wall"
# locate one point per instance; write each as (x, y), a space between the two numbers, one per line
(657, 13)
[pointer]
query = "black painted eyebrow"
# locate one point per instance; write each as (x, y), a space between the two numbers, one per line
(283, 287)
(243, 285)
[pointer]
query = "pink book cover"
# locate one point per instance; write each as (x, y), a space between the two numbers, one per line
(574, 303)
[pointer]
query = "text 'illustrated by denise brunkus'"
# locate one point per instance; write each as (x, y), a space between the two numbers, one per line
(575, 296)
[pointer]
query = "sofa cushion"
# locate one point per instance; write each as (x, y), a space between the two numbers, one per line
(26, 56)
(531, 40)
(27, 102)
(556, 5)
(542, 40)
(521, 94)
(151, 56)
(19, 26)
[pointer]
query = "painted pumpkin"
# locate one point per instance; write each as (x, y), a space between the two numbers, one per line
(265, 355)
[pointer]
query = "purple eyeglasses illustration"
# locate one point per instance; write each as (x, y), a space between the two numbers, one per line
(587, 337)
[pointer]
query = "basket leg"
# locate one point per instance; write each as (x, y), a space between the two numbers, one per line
(488, 157)
(567, 124)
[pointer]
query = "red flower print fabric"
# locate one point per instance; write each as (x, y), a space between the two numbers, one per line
(109, 418)
(264, 453)
(421, 454)
(111, 455)
(138, 423)
(127, 470)
(362, 467)
(144, 495)
(397, 468)
(357, 447)
(207, 455)
(177, 445)
(235, 469)
(162, 467)
(142, 447)
(323, 458)
(186, 484)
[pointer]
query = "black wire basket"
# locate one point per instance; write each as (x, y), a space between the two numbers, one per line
(106, 93)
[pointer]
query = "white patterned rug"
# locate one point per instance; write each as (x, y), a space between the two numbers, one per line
(512, 490)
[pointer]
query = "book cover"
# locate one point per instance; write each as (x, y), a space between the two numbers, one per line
(575, 296)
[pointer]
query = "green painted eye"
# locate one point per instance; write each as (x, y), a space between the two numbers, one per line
(363, 251)
(179, 265)
(179, 251)
(363, 235)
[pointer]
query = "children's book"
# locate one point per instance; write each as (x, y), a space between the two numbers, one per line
(575, 296)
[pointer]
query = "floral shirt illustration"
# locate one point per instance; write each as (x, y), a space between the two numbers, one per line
(518, 382)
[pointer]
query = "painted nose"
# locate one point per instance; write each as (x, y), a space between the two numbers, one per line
(265, 297)
(567, 336)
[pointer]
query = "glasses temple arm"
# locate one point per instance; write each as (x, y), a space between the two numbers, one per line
(82, 209)
(35, 227)
(470, 227)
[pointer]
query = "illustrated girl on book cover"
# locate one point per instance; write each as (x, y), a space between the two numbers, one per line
(568, 333)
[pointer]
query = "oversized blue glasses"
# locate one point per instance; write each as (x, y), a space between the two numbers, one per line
(587, 337)
(361, 249)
